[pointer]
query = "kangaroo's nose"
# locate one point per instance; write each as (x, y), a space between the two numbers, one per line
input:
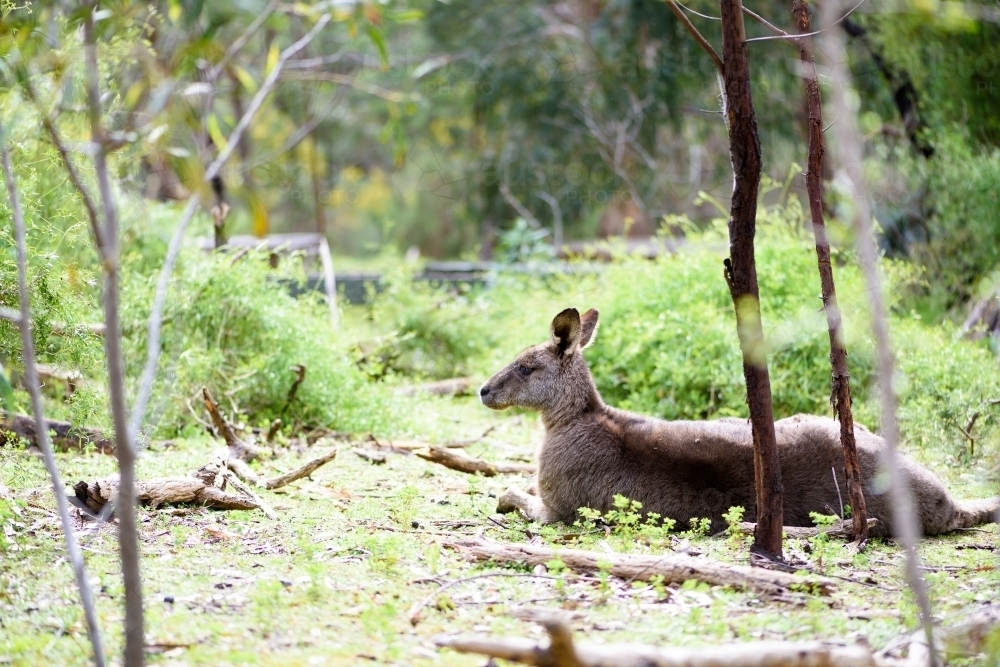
(484, 391)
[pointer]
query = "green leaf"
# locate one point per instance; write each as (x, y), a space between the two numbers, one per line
(245, 78)
(379, 41)
(407, 16)
(215, 132)
(6, 391)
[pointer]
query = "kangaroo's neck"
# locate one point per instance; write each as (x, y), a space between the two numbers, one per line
(583, 399)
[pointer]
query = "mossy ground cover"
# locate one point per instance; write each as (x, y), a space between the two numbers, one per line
(357, 545)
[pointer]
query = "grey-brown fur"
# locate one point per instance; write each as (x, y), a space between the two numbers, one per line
(685, 469)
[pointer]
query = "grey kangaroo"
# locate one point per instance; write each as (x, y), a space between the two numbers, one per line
(684, 469)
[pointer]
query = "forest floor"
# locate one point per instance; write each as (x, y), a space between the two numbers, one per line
(333, 581)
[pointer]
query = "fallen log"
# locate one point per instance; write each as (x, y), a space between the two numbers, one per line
(162, 491)
(842, 529)
(64, 436)
(450, 458)
(560, 651)
(674, 568)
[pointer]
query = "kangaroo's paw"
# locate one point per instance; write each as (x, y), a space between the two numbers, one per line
(531, 507)
(510, 501)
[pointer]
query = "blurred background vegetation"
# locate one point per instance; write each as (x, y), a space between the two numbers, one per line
(409, 131)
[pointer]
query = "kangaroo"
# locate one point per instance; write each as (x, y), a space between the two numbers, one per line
(685, 469)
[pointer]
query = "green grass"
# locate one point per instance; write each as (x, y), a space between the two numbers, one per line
(358, 545)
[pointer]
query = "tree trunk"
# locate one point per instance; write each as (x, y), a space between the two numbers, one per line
(741, 274)
(840, 394)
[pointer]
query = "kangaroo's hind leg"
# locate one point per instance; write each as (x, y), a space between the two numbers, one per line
(532, 507)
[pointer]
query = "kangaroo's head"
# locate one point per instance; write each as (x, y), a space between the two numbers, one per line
(552, 377)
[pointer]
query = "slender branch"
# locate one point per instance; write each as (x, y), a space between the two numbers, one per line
(795, 38)
(242, 40)
(128, 536)
(156, 320)
(770, 26)
(521, 209)
(352, 81)
(704, 16)
(905, 525)
(163, 282)
(31, 379)
(686, 22)
(48, 122)
(265, 89)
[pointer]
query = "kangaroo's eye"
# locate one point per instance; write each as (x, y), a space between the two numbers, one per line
(524, 370)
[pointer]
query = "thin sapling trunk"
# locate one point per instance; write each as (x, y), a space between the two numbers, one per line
(840, 394)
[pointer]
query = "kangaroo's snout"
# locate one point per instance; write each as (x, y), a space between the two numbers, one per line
(484, 390)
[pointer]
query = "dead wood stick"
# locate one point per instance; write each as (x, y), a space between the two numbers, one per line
(304, 471)
(561, 652)
(462, 463)
(242, 469)
(163, 491)
(240, 449)
(458, 444)
(673, 568)
(247, 491)
(64, 436)
(378, 458)
(840, 529)
(300, 377)
(452, 387)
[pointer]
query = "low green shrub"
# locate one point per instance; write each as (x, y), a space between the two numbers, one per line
(234, 327)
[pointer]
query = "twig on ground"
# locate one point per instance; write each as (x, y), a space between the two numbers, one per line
(457, 461)
(459, 444)
(378, 458)
(452, 387)
(304, 471)
(673, 569)
(840, 529)
(246, 490)
(31, 379)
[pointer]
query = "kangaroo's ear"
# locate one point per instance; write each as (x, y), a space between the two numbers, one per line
(588, 324)
(566, 331)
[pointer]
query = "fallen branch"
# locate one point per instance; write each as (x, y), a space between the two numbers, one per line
(378, 458)
(462, 463)
(163, 491)
(247, 491)
(673, 568)
(560, 651)
(452, 387)
(245, 451)
(304, 471)
(300, 377)
(64, 436)
(459, 444)
(840, 529)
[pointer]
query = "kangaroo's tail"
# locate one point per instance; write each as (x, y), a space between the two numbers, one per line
(969, 513)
